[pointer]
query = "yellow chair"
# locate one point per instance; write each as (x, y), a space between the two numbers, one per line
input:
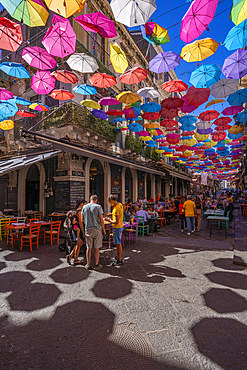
(2, 227)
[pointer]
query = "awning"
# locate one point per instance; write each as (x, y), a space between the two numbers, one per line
(15, 163)
(180, 175)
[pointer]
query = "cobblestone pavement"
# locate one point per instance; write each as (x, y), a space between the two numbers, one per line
(178, 302)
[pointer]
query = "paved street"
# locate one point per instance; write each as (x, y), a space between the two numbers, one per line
(177, 303)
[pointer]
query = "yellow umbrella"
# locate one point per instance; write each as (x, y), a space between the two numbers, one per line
(145, 138)
(151, 125)
(118, 58)
(127, 97)
(201, 137)
(65, 8)
(7, 125)
(215, 101)
(199, 50)
(159, 151)
(210, 144)
(236, 129)
(90, 104)
(189, 142)
(188, 153)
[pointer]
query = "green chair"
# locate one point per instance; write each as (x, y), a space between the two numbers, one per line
(142, 228)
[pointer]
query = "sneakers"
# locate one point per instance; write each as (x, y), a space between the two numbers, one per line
(116, 262)
(188, 233)
(88, 267)
(98, 267)
(193, 231)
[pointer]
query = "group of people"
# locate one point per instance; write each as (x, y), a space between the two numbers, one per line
(190, 214)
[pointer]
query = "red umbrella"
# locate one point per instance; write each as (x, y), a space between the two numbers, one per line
(172, 128)
(172, 138)
(182, 148)
(168, 123)
(64, 76)
(188, 133)
(234, 109)
(172, 103)
(133, 76)
(114, 112)
(223, 127)
(10, 34)
(150, 116)
(61, 94)
(22, 113)
(197, 96)
(219, 137)
(168, 113)
(209, 115)
(222, 121)
(103, 80)
(186, 107)
(174, 86)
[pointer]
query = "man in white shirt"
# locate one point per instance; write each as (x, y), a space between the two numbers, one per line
(146, 217)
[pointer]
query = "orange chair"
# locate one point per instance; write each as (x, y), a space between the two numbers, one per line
(53, 233)
(12, 235)
(32, 237)
(31, 220)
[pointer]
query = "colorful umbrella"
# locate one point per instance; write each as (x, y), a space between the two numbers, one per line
(14, 69)
(99, 114)
(197, 96)
(164, 62)
(82, 62)
(151, 107)
(197, 19)
(235, 66)
(6, 125)
(66, 8)
(186, 107)
(187, 120)
(201, 137)
(205, 75)
(119, 119)
(238, 98)
(214, 102)
(172, 103)
(64, 76)
(127, 97)
(10, 34)
(135, 127)
(238, 11)
(97, 23)
(61, 94)
(22, 113)
(222, 121)
(103, 80)
(132, 112)
(85, 89)
(42, 82)
(150, 116)
(236, 129)
(60, 38)
(148, 92)
(38, 58)
(204, 132)
(168, 123)
(219, 137)
(209, 115)
(5, 94)
(155, 34)
(30, 12)
(118, 58)
(168, 113)
(152, 144)
(39, 107)
(133, 76)
(172, 138)
(237, 37)
(174, 86)
(242, 117)
(230, 111)
(199, 50)
(7, 109)
(114, 112)
(90, 104)
(223, 88)
(203, 125)
(108, 101)
(133, 13)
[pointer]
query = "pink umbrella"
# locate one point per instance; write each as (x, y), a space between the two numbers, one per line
(5, 94)
(60, 39)
(234, 109)
(108, 101)
(143, 133)
(38, 58)
(186, 107)
(43, 82)
(97, 23)
(197, 18)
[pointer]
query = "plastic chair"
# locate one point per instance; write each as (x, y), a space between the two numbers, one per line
(142, 228)
(132, 232)
(53, 233)
(32, 238)
(3, 232)
(12, 235)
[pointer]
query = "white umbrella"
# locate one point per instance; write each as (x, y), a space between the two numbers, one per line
(82, 62)
(133, 12)
(224, 87)
(203, 125)
(148, 92)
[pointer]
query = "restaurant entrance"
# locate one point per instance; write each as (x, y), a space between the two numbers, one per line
(97, 180)
(148, 186)
(128, 185)
(32, 188)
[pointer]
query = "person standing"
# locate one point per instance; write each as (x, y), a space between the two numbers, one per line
(189, 211)
(92, 215)
(182, 215)
(117, 225)
(198, 212)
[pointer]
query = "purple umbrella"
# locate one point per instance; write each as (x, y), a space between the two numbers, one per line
(60, 39)
(108, 101)
(97, 23)
(38, 58)
(99, 113)
(235, 66)
(164, 62)
(234, 109)
(186, 107)
(205, 132)
(43, 82)
(5, 94)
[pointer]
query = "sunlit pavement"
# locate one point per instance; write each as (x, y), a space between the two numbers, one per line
(178, 302)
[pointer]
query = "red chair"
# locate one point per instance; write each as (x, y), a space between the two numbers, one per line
(53, 233)
(32, 238)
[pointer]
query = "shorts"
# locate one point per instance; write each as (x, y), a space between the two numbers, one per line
(117, 235)
(94, 238)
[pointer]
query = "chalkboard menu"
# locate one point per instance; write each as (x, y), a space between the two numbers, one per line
(77, 191)
(141, 189)
(62, 173)
(77, 173)
(62, 195)
(116, 188)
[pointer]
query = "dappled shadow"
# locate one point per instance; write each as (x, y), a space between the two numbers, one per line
(2, 265)
(112, 288)
(14, 280)
(222, 340)
(225, 301)
(17, 256)
(80, 335)
(230, 279)
(70, 275)
(43, 264)
(227, 264)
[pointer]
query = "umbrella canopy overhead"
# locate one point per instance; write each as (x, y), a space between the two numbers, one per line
(237, 37)
(61, 94)
(7, 109)
(60, 39)
(197, 18)
(238, 98)
(197, 96)
(14, 69)
(164, 62)
(151, 107)
(82, 62)
(65, 8)
(99, 114)
(22, 113)
(39, 107)
(43, 82)
(209, 115)
(133, 13)
(203, 125)
(103, 80)
(230, 111)
(242, 117)
(38, 58)
(19, 100)
(108, 101)
(118, 58)
(5, 94)
(238, 11)
(205, 75)
(85, 89)
(155, 34)
(172, 103)
(186, 107)
(64, 76)
(135, 127)
(168, 113)
(214, 102)
(98, 23)
(10, 34)
(30, 12)
(90, 104)
(235, 66)
(133, 76)
(6, 125)
(223, 88)
(150, 116)
(174, 86)
(127, 97)
(199, 50)
(148, 92)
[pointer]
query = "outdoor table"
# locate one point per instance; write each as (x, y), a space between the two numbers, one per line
(57, 215)
(219, 219)
(11, 211)
(217, 212)
(170, 211)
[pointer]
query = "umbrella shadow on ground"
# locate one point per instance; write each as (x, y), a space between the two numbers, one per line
(2, 265)
(43, 264)
(70, 275)
(227, 264)
(112, 288)
(224, 301)
(80, 335)
(223, 340)
(231, 279)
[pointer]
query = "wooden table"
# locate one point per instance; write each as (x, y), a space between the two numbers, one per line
(58, 216)
(219, 219)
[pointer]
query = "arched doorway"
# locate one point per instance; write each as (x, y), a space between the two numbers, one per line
(97, 180)
(128, 185)
(148, 186)
(33, 188)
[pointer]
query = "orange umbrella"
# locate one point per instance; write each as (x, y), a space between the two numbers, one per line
(103, 80)
(133, 76)
(209, 115)
(61, 94)
(197, 96)
(64, 76)
(174, 86)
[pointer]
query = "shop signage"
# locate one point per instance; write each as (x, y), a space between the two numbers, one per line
(62, 173)
(62, 195)
(77, 173)
(116, 188)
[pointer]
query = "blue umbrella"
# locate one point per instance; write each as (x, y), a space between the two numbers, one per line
(8, 109)
(187, 127)
(235, 136)
(85, 89)
(159, 137)
(14, 69)
(99, 113)
(152, 144)
(242, 117)
(238, 98)
(135, 119)
(237, 37)
(186, 138)
(119, 119)
(19, 100)
(205, 75)
(187, 120)
(135, 127)
(151, 107)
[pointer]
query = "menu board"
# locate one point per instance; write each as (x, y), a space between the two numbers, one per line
(116, 188)
(77, 192)
(141, 189)
(62, 196)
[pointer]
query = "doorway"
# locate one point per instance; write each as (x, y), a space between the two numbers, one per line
(97, 181)
(148, 186)
(32, 188)
(128, 185)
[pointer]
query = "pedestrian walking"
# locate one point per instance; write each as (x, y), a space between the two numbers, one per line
(117, 226)
(182, 215)
(198, 213)
(189, 211)
(92, 215)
